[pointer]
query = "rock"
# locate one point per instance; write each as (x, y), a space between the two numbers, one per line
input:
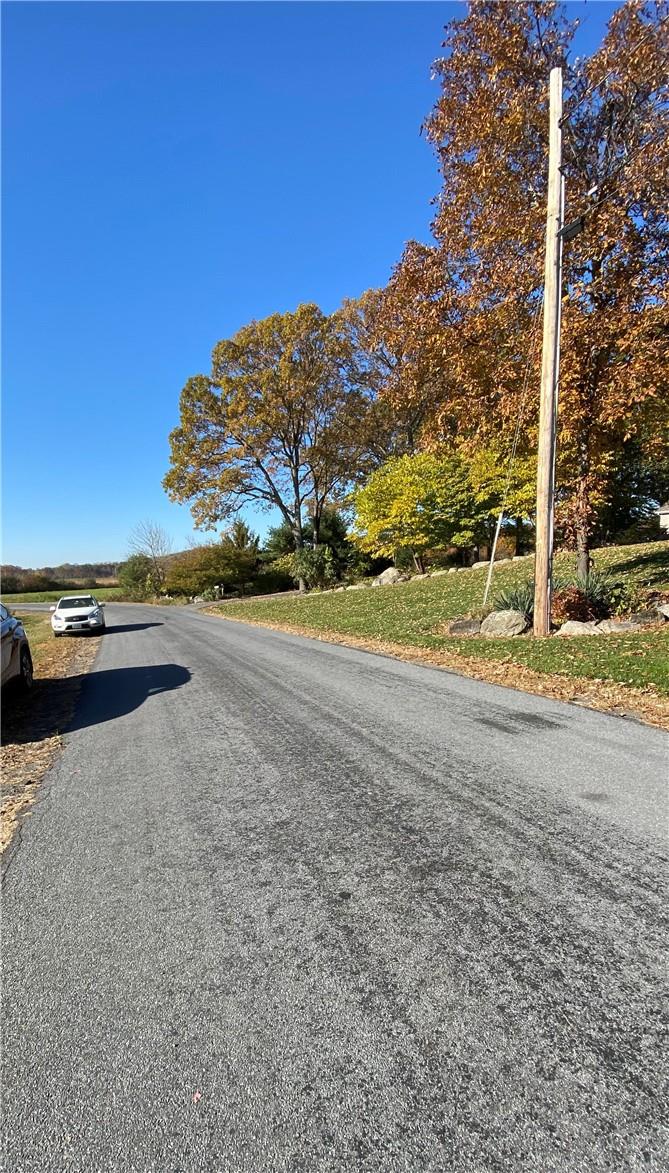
(576, 627)
(504, 623)
(464, 627)
(501, 561)
(643, 618)
(338, 590)
(479, 565)
(416, 577)
(459, 568)
(438, 573)
(454, 569)
(611, 626)
(662, 609)
(388, 577)
(359, 586)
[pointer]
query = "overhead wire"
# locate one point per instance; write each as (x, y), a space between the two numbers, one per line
(611, 187)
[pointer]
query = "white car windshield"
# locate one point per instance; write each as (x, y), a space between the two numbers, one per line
(84, 601)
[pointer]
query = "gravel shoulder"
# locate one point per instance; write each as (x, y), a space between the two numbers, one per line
(32, 725)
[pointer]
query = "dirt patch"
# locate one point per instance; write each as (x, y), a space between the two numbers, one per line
(32, 725)
(643, 704)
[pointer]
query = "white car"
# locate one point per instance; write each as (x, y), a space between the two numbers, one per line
(77, 613)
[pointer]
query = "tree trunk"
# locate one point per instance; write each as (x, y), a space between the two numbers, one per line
(418, 562)
(299, 545)
(519, 535)
(583, 518)
(583, 559)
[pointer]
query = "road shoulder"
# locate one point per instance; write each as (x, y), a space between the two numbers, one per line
(33, 725)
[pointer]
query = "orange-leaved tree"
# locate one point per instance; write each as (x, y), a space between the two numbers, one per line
(469, 303)
(273, 424)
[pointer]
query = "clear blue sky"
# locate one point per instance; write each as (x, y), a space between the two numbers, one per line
(171, 171)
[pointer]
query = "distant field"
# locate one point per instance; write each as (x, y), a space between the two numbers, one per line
(412, 614)
(103, 593)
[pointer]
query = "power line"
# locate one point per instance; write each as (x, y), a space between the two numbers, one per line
(611, 188)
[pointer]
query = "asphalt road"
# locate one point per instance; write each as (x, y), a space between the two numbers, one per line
(285, 905)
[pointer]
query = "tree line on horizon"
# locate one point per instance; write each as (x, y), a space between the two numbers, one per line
(402, 407)
(22, 579)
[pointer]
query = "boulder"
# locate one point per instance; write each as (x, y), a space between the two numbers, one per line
(338, 590)
(438, 573)
(416, 577)
(662, 609)
(480, 565)
(463, 627)
(388, 577)
(643, 618)
(359, 586)
(504, 623)
(501, 561)
(459, 568)
(611, 626)
(576, 627)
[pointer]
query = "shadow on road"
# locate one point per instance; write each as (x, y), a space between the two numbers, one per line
(117, 691)
(116, 628)
(60, 705)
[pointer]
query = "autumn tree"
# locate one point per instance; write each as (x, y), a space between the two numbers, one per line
(417, 502)
(384, 362)
(274, 424)
(223, 564)
(470, 302)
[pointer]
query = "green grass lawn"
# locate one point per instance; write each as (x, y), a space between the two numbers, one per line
(412, 613)
(104, 594)
(38, 630)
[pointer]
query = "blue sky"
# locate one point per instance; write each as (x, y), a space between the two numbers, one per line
(171, 171)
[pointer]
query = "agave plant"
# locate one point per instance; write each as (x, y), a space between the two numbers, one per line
(519, 597)
(597, 587)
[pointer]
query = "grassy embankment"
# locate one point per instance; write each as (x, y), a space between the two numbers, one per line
(412, 615)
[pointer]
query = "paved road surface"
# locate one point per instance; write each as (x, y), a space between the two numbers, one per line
(288, 906)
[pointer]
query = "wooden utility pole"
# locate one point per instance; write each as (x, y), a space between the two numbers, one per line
(550, 364)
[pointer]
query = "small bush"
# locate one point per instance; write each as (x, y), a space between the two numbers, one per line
(596, 587)
(571, 603)
(317, 567)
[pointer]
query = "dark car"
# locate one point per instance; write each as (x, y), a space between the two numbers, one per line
(17, 663)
